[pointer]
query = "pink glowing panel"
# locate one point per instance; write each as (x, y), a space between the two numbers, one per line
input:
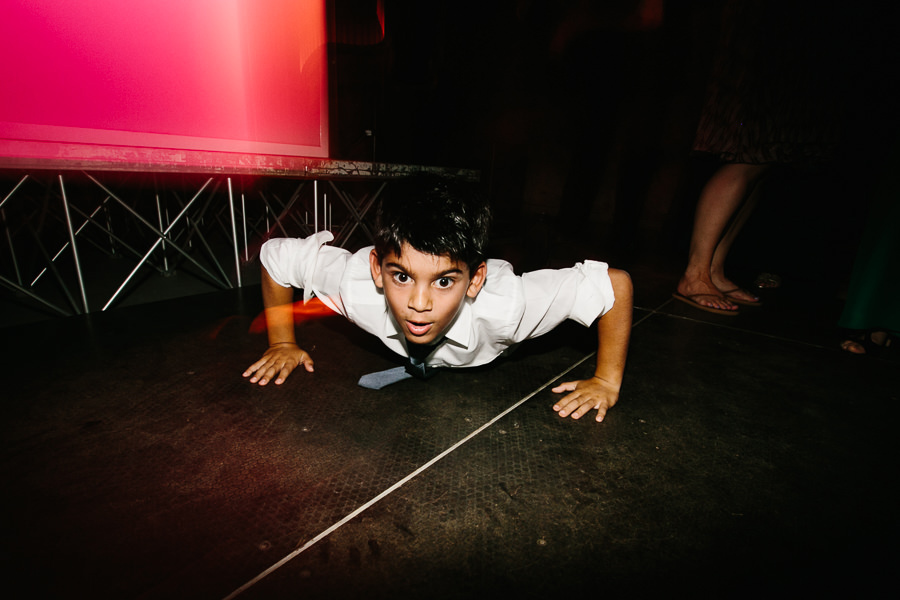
(168, 83)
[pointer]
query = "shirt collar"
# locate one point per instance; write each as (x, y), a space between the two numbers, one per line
(460, 331)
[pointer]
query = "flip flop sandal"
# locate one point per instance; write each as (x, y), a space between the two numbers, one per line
(864, 340)
(690, 299)
(741, 301)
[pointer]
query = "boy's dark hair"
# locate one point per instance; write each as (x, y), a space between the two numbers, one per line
(436, 216)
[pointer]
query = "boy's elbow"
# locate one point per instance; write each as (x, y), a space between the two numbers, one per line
(621, 283)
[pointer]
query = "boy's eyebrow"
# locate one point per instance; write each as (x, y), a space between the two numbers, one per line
(399, 267)
(453, 271)
(393, 265)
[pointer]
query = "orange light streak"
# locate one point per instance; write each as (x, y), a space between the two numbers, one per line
(303, 311)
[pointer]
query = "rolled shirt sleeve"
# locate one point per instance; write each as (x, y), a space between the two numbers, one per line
(581, 293)
(308, 264)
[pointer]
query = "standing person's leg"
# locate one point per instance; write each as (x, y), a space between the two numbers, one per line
(720, 199)
(752, 174)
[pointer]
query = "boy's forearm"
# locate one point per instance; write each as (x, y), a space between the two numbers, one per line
(614, 330)
(279, 310)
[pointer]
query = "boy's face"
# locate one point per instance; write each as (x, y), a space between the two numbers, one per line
(424, 292)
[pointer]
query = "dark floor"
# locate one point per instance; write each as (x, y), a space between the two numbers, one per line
(747, 456)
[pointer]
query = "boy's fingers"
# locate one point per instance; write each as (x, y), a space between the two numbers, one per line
(283, 374)
(276, 369)
(307, 362)
(568, 404)
(253, 374)
(578, 405)
(266, 373)
(568, 386)
(573, 399)
(580, 402)
(253, 368)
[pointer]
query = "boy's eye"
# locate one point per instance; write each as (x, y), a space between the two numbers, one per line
(401, 277)
(444, 282)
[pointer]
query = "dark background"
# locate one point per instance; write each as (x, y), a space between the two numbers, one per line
(580, 116)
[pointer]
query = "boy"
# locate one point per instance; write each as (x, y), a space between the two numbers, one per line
(426, 290)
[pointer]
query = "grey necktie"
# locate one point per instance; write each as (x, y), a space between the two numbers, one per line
(415, 367)
(380, 379)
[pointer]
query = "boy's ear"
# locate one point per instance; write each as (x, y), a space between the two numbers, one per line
(476, 282)
(375, 267)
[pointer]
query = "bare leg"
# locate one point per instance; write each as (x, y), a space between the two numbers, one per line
(717, 266)
(720, 199)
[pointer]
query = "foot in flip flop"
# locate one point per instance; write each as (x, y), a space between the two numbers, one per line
(742, 297)
(704, 295)
(706, 302)
(732, 291)
(866, 342)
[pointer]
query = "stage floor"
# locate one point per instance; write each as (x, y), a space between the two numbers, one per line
(746, 456)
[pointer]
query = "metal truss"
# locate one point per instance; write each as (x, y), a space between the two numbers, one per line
(58, 225)
(76, 241)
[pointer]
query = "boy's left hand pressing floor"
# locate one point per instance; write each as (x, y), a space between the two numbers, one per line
(586, 395)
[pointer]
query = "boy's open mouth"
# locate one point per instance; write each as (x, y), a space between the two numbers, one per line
(418, 328)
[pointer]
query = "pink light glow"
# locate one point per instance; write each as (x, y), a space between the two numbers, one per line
(83, 80)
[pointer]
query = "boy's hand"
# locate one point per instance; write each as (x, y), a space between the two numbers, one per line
(278, 362)
(586, 395)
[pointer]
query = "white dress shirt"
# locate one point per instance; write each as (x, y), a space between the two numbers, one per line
(508, 310)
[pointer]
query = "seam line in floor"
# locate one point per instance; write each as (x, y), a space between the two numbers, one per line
(658, 311)
(362, 508)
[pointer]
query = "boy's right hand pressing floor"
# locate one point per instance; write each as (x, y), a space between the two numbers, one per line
(277, 363)
(283, 355)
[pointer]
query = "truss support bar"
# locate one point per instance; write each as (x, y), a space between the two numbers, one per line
(12, 285)
(13, 191)
(81, 288)
(158, 241)
(234, 237)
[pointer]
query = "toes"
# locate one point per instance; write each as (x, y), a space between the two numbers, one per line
(852, 347)
(713, 301)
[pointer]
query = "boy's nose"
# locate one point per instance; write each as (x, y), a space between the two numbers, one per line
(420, 300)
